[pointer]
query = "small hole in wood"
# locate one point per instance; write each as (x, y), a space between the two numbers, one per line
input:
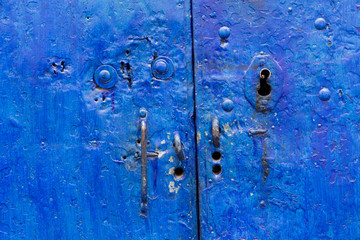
(217, 169)
(216, 156)
(179, 172)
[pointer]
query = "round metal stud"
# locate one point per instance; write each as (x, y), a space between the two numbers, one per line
(162, 68)
(320, 24)
(324, 94)
(228, 105)
(142, 112)
(106, 77)
(224, 32)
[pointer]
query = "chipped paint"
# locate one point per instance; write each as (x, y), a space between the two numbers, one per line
(172, 188)
(161, 153)
(227, 128)
(171, 171)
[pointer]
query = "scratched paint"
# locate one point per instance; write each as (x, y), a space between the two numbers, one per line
(298, 179)
(69, 156)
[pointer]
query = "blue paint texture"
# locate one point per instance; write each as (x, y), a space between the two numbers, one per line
(296, 176)
(77, 77)
(69, 163)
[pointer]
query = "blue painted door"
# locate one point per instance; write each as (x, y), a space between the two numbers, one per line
(82, 83)
(100, 140)
(277, 93)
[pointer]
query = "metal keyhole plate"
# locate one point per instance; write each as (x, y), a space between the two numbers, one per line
(263, 82)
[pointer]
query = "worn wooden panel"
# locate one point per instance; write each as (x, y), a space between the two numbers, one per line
(291, 172)
(69, 157)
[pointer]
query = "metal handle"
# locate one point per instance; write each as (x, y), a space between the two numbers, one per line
(215, 132)
(179, 147)
(143, 166)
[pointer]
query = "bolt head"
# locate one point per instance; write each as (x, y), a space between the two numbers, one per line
(320, 24)
(104, 76)
(228, 105)
(224, 32)
(261, 62)
(161, 67)
(324, 94)
(142, 112)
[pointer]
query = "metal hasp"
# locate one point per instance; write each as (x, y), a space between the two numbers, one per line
(215, 132)
(144, 155)
(263, 80)
(178, 147)
(143, 166)
(106, 77)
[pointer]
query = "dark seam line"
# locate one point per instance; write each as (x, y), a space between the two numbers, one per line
(195, 121)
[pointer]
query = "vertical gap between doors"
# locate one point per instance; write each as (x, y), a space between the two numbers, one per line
(195, 122)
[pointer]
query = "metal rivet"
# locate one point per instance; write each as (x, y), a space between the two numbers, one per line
(320, 24)
(142, 112)
(104, 76)
(224, 32)
(228, 105)
(162, 68)
(261, 62)
(324, 94)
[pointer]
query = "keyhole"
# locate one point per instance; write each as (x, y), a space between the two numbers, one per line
(265, 88)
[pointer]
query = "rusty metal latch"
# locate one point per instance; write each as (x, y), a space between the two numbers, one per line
(144, 155)
(215, 132)
(179, 147)
(143, 166)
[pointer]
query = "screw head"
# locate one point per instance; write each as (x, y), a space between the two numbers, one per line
(324, 94)
(161, 67)
(320, 24)
(224, 32)
(228, 105)
(142, 112)
(261, 62)
(104, 76)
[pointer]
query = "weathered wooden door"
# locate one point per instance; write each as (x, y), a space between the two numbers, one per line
(281, 81)
(82, 82)
(203, 119)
